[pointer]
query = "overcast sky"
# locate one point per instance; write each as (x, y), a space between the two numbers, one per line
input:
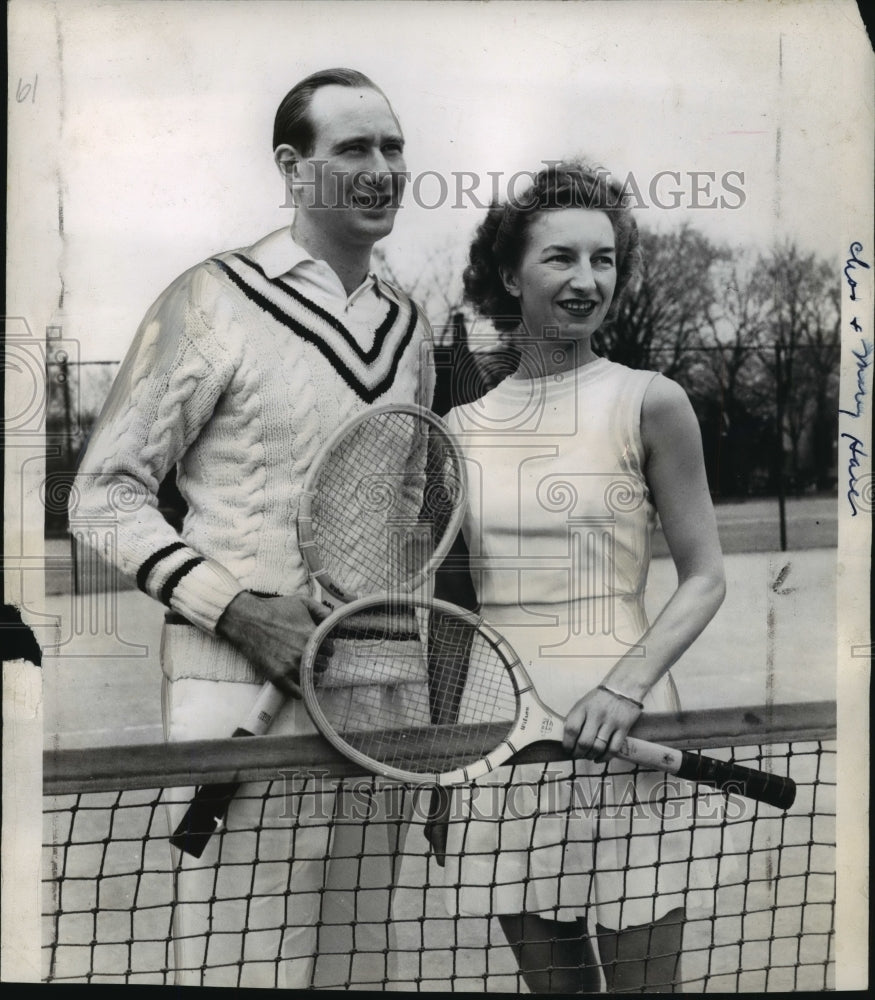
(152, 121)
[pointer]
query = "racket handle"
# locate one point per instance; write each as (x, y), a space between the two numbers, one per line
(773, 789)
(204, 816)
(260, 718)
(210, 804)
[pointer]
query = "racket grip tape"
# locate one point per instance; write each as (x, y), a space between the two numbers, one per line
(773, 789)
(204, 817)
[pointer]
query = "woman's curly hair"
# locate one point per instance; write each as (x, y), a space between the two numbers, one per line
(501, 238)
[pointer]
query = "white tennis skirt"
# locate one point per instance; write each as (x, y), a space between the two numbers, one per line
(577, 839)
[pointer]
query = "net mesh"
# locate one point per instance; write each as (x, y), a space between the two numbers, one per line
(386, 494)
(365, 902)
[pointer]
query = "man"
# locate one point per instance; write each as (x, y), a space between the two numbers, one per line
(238, 373)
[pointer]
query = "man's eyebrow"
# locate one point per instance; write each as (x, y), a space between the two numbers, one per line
(367, 139)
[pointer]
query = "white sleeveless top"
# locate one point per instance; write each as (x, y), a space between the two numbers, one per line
(560, 519)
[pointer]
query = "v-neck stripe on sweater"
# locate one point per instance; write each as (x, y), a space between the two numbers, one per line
(367, 372)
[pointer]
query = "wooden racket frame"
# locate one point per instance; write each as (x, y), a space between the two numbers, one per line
(309, 494)
(534, 723)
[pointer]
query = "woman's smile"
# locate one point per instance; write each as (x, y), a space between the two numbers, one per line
(578, 307)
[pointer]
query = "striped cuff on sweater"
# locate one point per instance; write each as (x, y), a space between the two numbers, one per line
(197, 588)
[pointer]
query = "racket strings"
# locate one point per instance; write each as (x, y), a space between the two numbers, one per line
(413, 689)
(383, 501)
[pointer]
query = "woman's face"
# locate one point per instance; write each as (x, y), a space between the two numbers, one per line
(566, 277)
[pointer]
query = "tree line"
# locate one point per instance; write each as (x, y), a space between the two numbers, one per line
(753, 337)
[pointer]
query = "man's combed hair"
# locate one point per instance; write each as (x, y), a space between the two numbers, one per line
(292, 125)
(500, 239)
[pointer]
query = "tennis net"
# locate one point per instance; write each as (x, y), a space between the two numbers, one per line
(366, 897)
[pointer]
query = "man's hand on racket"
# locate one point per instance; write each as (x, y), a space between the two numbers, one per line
(272, 632)
(597, 725)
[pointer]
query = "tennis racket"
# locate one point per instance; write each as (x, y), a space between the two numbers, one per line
(423, 691)
(379, 508)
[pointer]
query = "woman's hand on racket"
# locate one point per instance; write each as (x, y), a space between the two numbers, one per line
(271, 632)
(598, 724)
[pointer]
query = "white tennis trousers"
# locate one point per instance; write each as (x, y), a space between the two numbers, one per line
(242, 921)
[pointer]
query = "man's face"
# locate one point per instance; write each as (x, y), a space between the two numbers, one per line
(351, 183)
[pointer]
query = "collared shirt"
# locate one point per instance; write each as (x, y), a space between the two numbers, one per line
(281, 257)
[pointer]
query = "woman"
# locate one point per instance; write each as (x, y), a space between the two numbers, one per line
(571, 459)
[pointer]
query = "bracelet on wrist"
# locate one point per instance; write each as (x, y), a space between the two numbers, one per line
(623, 697)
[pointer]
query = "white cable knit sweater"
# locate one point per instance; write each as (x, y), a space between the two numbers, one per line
(236, 378)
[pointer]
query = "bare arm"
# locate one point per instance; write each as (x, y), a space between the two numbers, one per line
(675, 473)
